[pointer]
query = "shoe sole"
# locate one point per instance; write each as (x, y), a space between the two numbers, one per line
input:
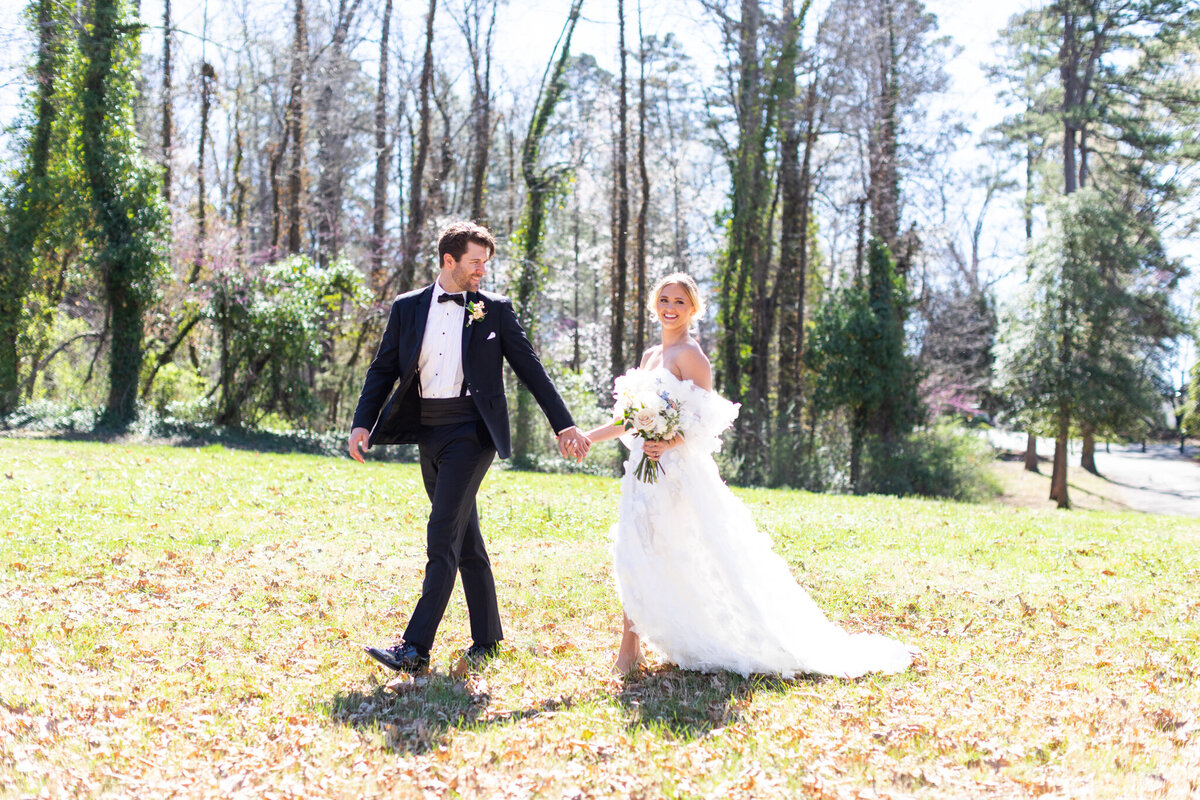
(394, 665)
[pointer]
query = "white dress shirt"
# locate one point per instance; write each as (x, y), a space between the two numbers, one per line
(440, 362)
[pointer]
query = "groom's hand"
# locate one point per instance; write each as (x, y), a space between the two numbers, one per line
(573, 444)
(360, 440)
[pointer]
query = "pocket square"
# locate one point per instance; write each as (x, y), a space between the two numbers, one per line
(490, 336)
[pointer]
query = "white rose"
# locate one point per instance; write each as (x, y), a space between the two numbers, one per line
(644, 420)
(651, 402)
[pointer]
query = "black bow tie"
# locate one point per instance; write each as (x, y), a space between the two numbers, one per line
(446, 297)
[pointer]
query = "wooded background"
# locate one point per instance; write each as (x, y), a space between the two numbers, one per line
(213, 234)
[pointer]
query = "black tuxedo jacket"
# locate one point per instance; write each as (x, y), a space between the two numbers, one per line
(486, 344)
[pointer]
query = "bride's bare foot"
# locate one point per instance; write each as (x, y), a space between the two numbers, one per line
(627, 663)
(629, 657)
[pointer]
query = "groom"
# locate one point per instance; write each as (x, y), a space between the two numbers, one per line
(443, 350)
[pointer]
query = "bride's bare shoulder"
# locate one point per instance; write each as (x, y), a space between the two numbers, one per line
(693, 365)
(652, 356)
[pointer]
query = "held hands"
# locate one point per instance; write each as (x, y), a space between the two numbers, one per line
(359, 442)
(573, 444)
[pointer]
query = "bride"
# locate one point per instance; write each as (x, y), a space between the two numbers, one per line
(697, 580)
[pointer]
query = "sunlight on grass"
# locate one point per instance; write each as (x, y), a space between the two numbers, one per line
(191, 621)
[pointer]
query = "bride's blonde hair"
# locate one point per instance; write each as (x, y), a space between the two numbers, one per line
(686, 282)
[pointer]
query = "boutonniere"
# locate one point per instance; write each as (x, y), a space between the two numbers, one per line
(475, 311)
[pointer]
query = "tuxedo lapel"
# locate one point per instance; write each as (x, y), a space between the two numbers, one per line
(420, 311)
(414, 331)
(472, 297)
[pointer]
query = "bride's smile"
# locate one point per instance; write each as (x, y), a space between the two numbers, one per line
(674, 308)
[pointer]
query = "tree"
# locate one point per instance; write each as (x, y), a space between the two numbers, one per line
(28, 201)
(382, 155)
(857, 352)
(886, 58)
(1106, 79)
(295, 126)
(798, 124)
(1085, 341)
(620, 219)
(273, 326)
(742, 273)
(167, 106)
(130, 219)
(333, 122)
(1191, 408)
(417, 209)
(639, 257)
(208, 77)
(479, 48)
(541, 184)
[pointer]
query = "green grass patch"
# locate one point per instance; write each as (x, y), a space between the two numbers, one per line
(190, 622)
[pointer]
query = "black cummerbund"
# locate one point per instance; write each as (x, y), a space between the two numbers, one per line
(448, 410)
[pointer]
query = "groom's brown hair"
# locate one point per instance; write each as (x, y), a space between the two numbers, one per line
(456, 236)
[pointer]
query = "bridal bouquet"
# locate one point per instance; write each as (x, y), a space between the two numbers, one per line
(644, 407)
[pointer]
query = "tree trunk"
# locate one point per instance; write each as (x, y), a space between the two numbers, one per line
(1069, 74)
(860, 242)
(26, 220)
(239, 185)
(331, 140)
(746, 294)
(416, 204)
(884, 188)
(123, 255)
(207, 76)
(1028, 202)
(811, 130)
(166, 101)
(1088, 459)
(481, 109)
(439, 203)
(858, 428)
(540, 185)
(576, 283)
(792, 238)
(644, 206)
(382, 156)
(1058, 480)
(750, 198)
(295, 123)
(1031, 456)
(275, 156)
(191, 315)
(621, 210)
(680, 242)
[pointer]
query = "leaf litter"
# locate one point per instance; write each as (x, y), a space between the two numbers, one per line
(218, 653)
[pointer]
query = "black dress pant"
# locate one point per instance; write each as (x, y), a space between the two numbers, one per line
(454, 460)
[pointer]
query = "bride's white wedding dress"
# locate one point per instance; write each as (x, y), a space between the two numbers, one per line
(701, 584)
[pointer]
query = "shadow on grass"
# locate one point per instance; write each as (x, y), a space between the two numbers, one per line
(423, 717)
(691, 704)
(178, 433)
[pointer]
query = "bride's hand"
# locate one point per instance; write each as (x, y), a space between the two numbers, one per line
(653, 449)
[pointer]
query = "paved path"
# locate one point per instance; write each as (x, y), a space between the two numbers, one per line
(1160, 480)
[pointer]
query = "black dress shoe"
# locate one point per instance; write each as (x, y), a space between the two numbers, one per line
(402, 658)
(478, 653)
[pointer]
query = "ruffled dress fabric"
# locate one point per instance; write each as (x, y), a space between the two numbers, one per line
(702, 585)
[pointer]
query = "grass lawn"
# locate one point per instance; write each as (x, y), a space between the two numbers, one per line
(190, 622)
